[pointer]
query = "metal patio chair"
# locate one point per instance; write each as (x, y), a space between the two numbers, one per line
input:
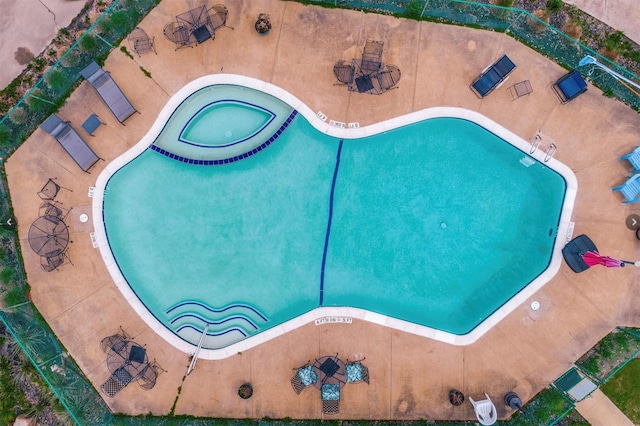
(140, 42)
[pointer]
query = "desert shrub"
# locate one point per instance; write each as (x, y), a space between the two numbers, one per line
(89, 43)
(554, 5)
(573, 30)
(19, 116)
(414, 9)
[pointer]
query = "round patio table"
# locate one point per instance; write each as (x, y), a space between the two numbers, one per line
(332, 371)
(127, 355)
(48, 236)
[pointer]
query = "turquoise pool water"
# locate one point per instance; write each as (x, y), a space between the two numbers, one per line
(438, 223)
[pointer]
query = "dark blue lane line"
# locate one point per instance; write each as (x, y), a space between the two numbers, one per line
(326, 237)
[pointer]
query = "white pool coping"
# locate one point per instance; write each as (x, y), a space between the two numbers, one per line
(564, 228)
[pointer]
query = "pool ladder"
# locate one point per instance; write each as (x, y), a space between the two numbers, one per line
(535, 144)
(194, 360)
(551, 149)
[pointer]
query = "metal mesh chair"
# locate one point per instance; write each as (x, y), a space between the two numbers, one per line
(149, 375)
(140, 42)
(305, 376)
(372, 56)
(115, 342)
(330, 398)
(356, 372)
(118, 381)
(178, 34)
(51, 263)
(388, 77)
(49, 190)
(344, 72)
(218, 15)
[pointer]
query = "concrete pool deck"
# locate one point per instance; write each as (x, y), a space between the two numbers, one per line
(410, 375)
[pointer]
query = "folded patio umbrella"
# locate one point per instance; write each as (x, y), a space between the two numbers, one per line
(593, 258)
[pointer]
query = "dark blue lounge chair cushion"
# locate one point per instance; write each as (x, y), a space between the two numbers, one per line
(493, 76)
(571, 85)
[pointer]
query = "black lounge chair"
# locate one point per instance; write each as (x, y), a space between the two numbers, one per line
(493, 76)
(109, 91)
(569, 87)
(71, 141)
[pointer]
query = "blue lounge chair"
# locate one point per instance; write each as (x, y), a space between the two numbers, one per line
(570, 86)
(493, 76)
(109, 91)
(634, 159)
(630, 189)
(71, 141)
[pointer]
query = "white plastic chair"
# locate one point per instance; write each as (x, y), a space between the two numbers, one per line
(485, 411)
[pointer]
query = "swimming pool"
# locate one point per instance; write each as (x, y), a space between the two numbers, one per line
(402, 227)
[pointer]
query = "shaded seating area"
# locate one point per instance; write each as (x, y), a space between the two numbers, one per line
(304, 377)
(493, 76)
(630, 189)
(634, 159)
(569, 87)
(71, 141)
(49, 238)
(198, 24)
(140, 42)
(485, 411)
(367, 74)
(329, 374)
(109, 91)
(127, 361)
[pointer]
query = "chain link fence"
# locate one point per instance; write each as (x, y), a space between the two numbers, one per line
(611, 353)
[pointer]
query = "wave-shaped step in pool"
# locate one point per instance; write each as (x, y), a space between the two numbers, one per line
(189, 319)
